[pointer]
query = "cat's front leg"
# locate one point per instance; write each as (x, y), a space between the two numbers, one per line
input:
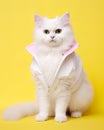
(43, 105)
(42, 101)
(61, 107)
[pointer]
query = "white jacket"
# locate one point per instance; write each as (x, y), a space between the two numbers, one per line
(70, 65)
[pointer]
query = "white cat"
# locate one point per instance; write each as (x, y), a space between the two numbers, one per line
(61, 82)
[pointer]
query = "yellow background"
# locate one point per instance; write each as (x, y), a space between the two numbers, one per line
(16, 31)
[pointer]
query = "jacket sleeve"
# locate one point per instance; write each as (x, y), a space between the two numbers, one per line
(35, 68)
(38, 76)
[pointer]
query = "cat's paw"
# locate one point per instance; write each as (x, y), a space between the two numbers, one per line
(61, 118)
(76, 114)
(8, 114)
(41, 117)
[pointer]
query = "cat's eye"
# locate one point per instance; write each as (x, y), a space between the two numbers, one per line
(46, 31)
(58, 31)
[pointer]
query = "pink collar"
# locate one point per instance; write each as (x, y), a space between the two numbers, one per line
(31, 48)
(71, 48)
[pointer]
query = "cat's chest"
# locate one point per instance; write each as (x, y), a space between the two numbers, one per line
(49, 62)
(48, 65)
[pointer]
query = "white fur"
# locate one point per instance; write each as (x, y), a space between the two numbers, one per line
(66, 94)
(20, 110)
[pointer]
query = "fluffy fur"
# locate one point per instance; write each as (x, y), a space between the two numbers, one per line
(69, 93)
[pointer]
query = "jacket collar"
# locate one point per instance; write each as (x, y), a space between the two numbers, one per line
(72, 47)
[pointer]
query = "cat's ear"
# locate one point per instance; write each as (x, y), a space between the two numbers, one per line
(38, 20)
(65, 19)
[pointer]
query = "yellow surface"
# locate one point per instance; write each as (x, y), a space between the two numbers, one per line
(16, 31)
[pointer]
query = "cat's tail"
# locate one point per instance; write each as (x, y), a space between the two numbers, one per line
(20, 110)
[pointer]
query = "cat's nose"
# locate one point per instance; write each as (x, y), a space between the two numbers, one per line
(52, 37)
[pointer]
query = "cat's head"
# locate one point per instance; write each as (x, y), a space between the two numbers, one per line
(53, 32)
